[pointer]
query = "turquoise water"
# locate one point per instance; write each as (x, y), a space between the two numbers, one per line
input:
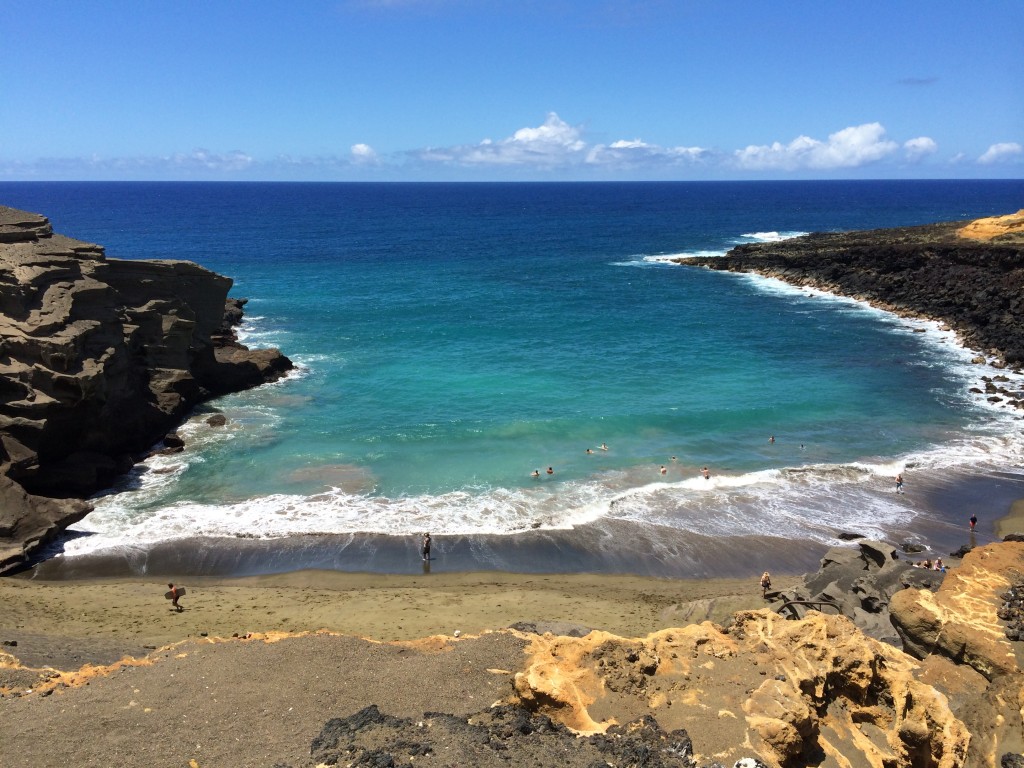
(452, 339)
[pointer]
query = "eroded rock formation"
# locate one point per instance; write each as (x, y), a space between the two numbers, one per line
(98, 359)
(814, 690)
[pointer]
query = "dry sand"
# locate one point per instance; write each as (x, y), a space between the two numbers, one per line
(133, 614)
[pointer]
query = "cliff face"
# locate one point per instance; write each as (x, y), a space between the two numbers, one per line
(945, 272)
(99, 358)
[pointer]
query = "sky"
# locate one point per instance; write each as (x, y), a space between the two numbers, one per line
(507, 90)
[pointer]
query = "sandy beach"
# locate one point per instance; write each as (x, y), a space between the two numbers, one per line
(55, 623)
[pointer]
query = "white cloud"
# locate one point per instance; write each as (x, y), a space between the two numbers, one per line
(999, 153)
(204, 160)
(920, 147)
(555, 143)
(632, 153)
(849, 148)
(363, 154)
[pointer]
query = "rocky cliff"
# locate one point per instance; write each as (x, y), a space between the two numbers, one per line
(99, 358)
(969, 277)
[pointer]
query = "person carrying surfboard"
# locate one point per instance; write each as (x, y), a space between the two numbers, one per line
(175, 593)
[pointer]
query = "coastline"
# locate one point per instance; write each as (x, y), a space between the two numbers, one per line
(65, 616)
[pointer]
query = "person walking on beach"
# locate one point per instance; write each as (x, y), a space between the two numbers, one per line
(425, 546)
(974, 520)
(899, 483)
(175, 594)
(766, 584)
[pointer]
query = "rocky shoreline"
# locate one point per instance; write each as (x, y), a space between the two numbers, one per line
(970, 278)
(99, 359)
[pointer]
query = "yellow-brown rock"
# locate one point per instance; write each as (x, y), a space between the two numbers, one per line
(995, 228)
(959, 621)
(789, 690)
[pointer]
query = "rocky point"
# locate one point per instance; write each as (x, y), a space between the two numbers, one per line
(99, 358)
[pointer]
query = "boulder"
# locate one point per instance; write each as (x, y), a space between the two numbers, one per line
(28, 523)
(961, 619)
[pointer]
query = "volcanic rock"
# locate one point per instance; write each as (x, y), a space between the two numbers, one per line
(972, 281)
(99, 358)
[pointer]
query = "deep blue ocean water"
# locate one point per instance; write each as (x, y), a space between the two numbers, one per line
(453, 338)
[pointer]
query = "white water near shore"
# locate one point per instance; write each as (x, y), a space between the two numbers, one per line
(810, 499)
(451, 339)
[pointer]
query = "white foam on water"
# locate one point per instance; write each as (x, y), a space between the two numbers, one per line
(946, 346)
(769, 237)
(801, 502)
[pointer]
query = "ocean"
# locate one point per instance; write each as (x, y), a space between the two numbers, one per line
(451, 339)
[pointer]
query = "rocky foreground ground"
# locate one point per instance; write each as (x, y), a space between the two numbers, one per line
(816, 690)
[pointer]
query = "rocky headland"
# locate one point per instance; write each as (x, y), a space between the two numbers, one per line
(969, 277)
(99, 359)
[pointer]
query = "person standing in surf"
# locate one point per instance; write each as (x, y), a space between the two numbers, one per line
(899, 483)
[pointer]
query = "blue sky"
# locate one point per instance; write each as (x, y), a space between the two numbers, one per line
(526, 90)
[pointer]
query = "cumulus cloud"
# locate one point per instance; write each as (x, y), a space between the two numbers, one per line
(552, 144)
(635, 153)
(1001, 153)
(849, 148)
(919, 148)
(557, 145)
(363, 154)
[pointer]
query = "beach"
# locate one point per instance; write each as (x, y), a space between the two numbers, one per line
(122, 616)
